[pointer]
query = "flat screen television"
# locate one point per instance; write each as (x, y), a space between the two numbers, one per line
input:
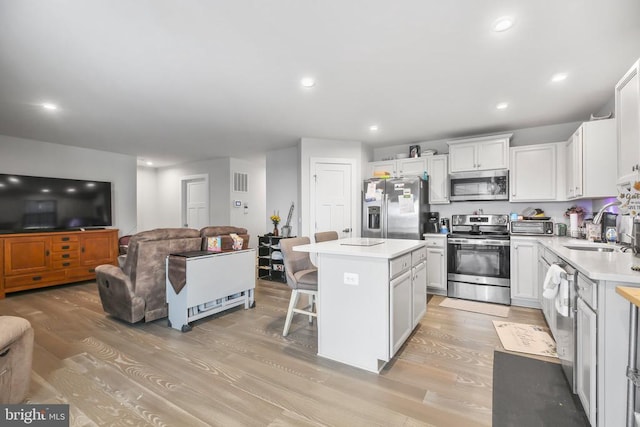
(34, 203)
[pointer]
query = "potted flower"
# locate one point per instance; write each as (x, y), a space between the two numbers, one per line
(275, 219)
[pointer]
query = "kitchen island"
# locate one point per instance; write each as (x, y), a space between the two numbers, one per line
(371, 295)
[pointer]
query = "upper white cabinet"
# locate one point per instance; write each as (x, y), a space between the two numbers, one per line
(382, 168)
(414, 166)
(628, 124)
(398, 168)
(533, 173)
(438, 171)
(477, 154)
(590, 161)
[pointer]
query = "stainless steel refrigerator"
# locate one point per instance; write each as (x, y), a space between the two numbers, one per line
(395, 208)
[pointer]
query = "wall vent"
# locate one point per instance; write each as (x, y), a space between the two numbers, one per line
(240, 182)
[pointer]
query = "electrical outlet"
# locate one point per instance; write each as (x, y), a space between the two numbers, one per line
(351, 279)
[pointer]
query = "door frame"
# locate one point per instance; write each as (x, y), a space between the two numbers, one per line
(183, 195)
(355, 192)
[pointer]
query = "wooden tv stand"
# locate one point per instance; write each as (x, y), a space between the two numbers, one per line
(37, 260)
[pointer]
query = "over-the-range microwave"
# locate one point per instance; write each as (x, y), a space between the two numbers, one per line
(484, 185)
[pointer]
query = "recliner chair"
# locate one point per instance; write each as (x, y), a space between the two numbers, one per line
(138, 290)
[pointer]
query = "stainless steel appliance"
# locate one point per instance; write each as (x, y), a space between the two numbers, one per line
(609, 221)
(532, 227)
(485, 185)
(566, 326)
(478, 258)
(395, 208)
(433, 222)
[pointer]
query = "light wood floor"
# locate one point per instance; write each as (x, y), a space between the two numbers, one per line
(235, 368)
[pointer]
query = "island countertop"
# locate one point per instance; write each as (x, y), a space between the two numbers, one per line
(363, 247)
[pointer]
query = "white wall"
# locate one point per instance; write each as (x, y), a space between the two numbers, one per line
(37, 158)
(326, 148)
(166, 212)
(147, 198)
(283, 187)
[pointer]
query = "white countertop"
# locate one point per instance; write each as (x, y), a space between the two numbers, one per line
(389, 248)
(611, 266)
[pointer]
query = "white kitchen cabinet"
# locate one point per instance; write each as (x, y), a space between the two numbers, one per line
(401, 315)
(382, 168)
(533, 173)
(414, 166)
(590, 161)
(524, 272)
(436, 264)
(478, 154)
(438, 171)
(586, 353)
(627, 99)
(419, 287)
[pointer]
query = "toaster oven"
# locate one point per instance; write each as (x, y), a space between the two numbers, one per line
(532, 227)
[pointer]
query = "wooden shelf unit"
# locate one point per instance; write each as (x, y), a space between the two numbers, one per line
(37, 260)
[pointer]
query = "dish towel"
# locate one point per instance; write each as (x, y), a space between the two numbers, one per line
(552, 281)
(562, 300)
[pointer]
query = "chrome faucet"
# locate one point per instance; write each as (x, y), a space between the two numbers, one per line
(598, 218)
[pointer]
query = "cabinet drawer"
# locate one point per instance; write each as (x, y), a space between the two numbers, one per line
(399, 265)
(418, 256)
(62, 256)
(64, 246)
(588, 291)
(81, 273)
(434, 242)
(62, 238)
(33, 279)
(65, 263)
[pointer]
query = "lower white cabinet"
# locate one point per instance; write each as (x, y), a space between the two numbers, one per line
(586, 356)
(524, 273)
(419, 287)
(436, 264)
(401, 316)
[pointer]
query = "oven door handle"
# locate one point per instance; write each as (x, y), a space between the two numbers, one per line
(479, 242)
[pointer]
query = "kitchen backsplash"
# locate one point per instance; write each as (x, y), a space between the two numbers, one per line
(555, 210)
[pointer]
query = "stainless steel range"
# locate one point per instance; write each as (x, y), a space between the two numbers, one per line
(478, 260)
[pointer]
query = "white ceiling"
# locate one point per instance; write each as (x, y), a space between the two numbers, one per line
(178, 80)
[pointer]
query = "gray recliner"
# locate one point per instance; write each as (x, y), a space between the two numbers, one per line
(137, 290)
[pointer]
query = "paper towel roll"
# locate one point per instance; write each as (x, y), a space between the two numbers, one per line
(573, 225)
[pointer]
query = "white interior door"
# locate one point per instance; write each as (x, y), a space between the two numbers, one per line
(195, 202)
(332, 198)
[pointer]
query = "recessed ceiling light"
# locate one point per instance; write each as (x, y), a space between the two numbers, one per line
(49, 106)
(558, 77)
(502, 105)
(308, 82)
(14, 179)
(374, 128)
(45, 190)
(503, 24)
(71, 190)
(149, 163)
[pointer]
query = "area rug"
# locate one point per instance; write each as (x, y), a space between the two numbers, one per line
(476, 307)
(531, 392)
(523, 338)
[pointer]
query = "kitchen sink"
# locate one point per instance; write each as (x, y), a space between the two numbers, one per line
(592, 248)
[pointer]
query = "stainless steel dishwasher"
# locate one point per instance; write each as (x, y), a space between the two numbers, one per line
(566, 325)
